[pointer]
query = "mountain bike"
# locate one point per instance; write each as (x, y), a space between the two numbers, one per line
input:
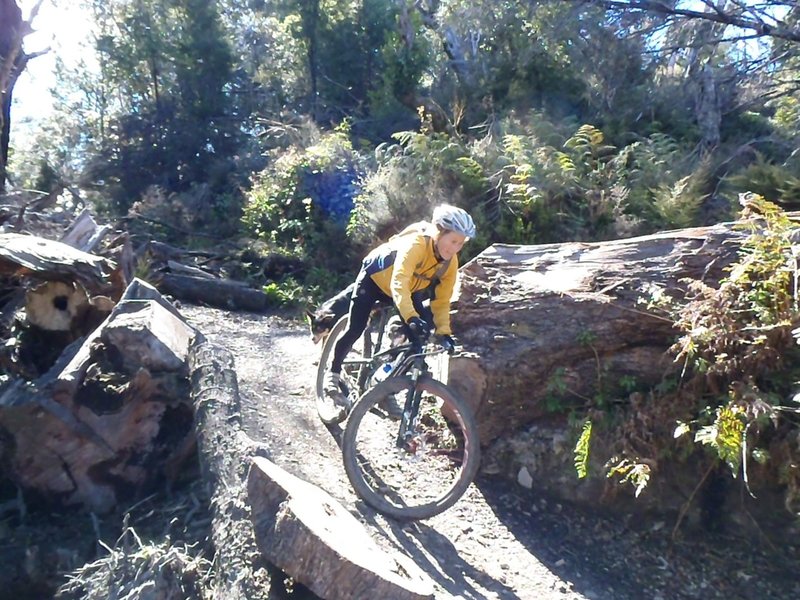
(410, 445)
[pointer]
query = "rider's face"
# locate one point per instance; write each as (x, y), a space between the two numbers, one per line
(449, 243)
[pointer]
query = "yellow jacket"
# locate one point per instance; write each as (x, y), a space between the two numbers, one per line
(408, 263)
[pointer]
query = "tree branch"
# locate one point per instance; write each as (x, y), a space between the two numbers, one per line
(778, 29)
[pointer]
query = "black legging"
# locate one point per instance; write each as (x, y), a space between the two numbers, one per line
(365, 296)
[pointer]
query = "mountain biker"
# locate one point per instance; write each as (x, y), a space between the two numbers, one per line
(419, 263)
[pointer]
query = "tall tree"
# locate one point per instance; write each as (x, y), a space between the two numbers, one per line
(13, 60)
(166, 68)
(771, 18)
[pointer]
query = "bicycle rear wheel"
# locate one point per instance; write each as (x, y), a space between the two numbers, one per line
(353, 374)
(432, 470)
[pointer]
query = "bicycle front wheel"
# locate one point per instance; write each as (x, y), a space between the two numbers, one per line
(432, 467)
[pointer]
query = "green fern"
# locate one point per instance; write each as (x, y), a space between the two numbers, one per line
(588, 143)
(678, 204)
(725, 436)
(778, 183)
(582, 450)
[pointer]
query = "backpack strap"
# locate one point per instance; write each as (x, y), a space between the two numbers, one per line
(436, 278)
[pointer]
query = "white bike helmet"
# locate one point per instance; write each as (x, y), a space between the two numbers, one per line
(455, 219)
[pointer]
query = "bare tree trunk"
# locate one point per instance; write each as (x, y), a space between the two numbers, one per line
(10, 51)
(13, 61)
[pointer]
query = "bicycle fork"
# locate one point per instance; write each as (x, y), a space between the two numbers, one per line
(408, 422)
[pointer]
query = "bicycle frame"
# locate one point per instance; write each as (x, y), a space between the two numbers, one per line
(413, 365)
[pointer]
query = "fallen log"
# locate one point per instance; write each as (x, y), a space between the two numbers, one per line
(224, 451)
(164, 252)
(312, 537)
(555, 325)
(109, 420)
(221, 293)
(179, 268)
(48, 260)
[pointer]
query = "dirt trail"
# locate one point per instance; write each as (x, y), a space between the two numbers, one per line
(497, 542)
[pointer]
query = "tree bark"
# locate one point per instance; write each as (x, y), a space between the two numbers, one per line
(10, 54)
(553, 326)
(13, 61)
(224, 450)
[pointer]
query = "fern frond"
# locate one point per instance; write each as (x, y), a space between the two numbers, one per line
(726, 436)
(582, 450)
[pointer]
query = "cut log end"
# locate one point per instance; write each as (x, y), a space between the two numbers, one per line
(55, 305)
(307, 533)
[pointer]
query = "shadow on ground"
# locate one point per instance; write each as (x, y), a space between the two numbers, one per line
(630, 558)
(434, 554)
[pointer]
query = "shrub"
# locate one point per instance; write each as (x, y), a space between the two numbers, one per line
(582, 188)
(532, 183)
(423, 169)
(738, 343)
(776, 182)
(303, 200)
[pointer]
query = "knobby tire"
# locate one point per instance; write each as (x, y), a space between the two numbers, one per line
(400, 503)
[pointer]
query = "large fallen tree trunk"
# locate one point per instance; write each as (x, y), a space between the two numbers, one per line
(224, 449)
(554, 331)
(547, 326)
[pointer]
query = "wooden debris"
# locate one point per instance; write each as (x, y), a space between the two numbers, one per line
(221, 293)
(309, 535)
(176, 267)
(40, 258)
(141, 290)
(55, 305)
(162, 252)
(138, 295)
(84, 233)
(109, 419)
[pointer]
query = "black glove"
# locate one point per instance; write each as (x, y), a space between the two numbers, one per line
(418, 330)
(448, 343)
